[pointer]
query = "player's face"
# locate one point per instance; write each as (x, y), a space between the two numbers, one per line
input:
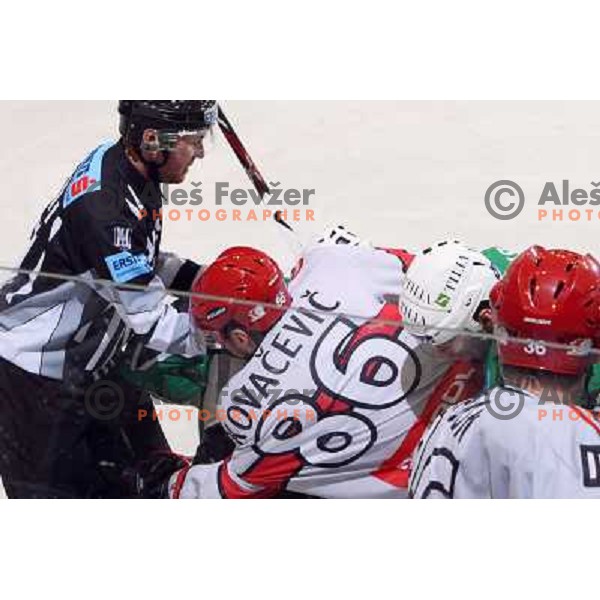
(238, 343)
(185, 151)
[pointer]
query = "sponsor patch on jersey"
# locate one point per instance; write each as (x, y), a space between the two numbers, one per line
(122, 237)
(125, 266)
(87, 176)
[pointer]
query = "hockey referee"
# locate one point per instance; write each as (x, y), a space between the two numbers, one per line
(68, 422)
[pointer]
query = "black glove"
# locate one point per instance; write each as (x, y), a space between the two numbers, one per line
(215, 446)
(149, 478)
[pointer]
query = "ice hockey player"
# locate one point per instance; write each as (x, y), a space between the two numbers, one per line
(336, 394)
(529, 437)
(68, 424)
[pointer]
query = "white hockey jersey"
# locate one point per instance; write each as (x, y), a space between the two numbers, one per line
(333, 403)
(544, 451)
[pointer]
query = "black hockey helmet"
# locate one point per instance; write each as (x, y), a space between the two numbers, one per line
(164, 115)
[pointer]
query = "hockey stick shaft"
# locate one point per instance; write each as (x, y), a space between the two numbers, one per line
(246, 161)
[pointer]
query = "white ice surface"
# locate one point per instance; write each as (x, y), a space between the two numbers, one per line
(398, 173)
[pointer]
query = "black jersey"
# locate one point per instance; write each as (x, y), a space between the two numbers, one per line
(105, 224)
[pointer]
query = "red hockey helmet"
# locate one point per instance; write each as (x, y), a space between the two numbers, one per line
(240, 273)
(551, 296)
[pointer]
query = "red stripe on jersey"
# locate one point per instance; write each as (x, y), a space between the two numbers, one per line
(177, 486)
(404, 256)
(389, 312)
(230, 489)
(269, 473)
(589, 417)
(329, 405)
(469, 381)
(274, 470)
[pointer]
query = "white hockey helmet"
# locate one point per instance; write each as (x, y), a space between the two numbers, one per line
(446, 287)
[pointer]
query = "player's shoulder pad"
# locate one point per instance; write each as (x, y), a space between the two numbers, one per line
(86, 180)
(345, 253)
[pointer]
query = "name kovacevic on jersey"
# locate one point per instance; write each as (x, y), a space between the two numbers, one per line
(103, 225)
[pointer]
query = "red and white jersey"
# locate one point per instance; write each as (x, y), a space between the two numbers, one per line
(543, 450)
(333, 402)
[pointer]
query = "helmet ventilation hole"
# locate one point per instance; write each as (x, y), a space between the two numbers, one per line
(559, 289)
(532, 288)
